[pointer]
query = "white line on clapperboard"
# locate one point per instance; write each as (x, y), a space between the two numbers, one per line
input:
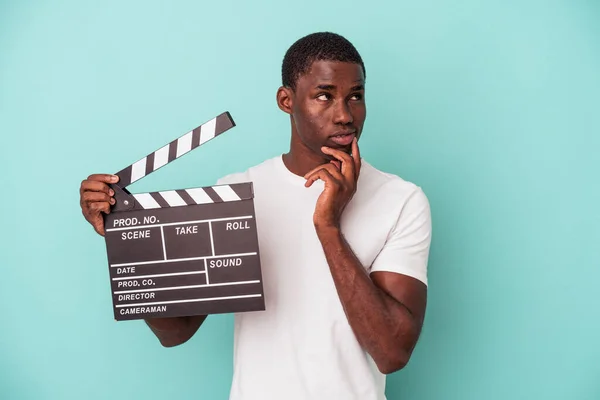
(212, 242)
(181, 259)
(178, 223)
(159, 275)
(187, 287)
(206, 269)
(190, 300)
(162, 236)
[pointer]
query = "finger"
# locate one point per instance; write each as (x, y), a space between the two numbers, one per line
(356, 157)
(324, 175)
(328, 173)
(100, 206)
(96, 186)
(99, 226)
(106, 178)
(347, 163)
(92, 197)
(329, 166)
(99, 229)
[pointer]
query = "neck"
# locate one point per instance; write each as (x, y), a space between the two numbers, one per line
(300, 159)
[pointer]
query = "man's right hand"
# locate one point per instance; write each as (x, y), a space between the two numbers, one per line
(96, 197)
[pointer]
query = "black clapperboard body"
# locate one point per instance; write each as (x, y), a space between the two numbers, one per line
(183, 252)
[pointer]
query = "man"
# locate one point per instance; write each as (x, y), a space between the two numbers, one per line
(344, 247)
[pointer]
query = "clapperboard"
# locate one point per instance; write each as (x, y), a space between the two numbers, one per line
(183, 252)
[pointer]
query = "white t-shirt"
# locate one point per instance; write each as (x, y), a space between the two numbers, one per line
(302, 347)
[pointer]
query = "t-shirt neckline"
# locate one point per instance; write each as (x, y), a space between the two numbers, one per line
(286, 173)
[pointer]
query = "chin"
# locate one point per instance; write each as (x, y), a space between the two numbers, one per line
(345, 149)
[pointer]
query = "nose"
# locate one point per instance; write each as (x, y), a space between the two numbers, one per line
(342, 114)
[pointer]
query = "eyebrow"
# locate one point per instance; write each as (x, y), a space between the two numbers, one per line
(332, 87)
(325, 87)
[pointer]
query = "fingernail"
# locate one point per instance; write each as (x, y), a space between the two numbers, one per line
(111, 192)
(112, 201)
(115, 178)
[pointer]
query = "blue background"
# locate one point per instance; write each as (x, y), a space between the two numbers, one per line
(491, 106)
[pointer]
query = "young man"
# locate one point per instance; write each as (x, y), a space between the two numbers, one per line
(344, 246)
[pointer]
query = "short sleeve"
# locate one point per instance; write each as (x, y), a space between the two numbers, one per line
(406, 250)
(229, 179)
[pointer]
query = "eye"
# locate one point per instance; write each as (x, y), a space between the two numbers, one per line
(357, 96)
(324, 97)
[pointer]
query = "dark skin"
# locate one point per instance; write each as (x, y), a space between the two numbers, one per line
(384, 309)
(96, 197)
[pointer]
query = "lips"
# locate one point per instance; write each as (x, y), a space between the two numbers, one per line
(342, 138)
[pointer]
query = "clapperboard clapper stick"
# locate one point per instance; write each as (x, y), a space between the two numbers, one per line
(183, 252)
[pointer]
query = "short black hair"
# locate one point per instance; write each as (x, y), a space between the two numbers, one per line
(319, 46)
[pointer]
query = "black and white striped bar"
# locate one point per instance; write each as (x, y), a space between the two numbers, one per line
(175, 149)
(186, 197)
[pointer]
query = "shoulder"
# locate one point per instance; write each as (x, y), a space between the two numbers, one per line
(250, 174)
(390, 188)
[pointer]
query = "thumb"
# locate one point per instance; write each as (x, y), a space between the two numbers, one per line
(99, 226)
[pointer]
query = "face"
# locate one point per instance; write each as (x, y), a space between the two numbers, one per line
(328, 106)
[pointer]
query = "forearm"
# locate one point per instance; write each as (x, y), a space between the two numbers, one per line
(384, 327)
(175, 331)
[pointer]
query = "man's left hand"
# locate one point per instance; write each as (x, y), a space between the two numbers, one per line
(340, 177)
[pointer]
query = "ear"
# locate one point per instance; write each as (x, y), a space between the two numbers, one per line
(285, 99)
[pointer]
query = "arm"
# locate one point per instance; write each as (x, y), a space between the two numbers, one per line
(386, 309)
(96, 197)
(175, 331)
